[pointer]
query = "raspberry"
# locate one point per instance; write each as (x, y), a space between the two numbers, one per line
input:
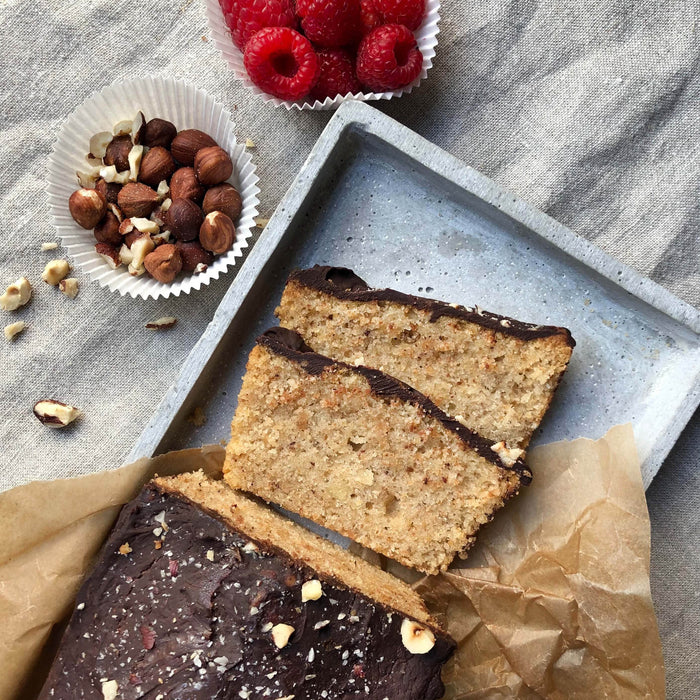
(330, 23)
(245, 17)
(337, 76)
(369, 16)
(388, 58)
(281, 62)
(407, 12)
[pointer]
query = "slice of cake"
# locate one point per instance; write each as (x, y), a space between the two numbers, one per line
(497, 374)
(363, 454)
(200, 592)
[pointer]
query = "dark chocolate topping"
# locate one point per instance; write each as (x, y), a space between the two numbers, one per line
(343, 283)
(193, 619)
(290, 344)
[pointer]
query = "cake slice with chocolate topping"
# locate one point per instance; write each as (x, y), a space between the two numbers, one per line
(496, 374)
(200, 592)
(363, 454)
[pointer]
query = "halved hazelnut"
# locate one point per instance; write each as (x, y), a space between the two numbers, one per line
(185, 145)
(17, 294)
(281, 634)
(110, 174)
(109, 253)
(416, 638)
(184, 219)
(117, 152)
(87, 207)
(157, 165)
(123, 127)
(164, 263)
(217, 233)
(55, 271)
(135, 158)
(99, 143)
(158, 132)
(140, 248)
(137, 199)
(184, 185)
(138, 127)
(107, 231)
(55, 414)
(212, 165)
(223, 198)
(70, 287)
(193, 255)
(14, 329)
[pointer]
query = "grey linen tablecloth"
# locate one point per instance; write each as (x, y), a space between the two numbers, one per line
(590, 111)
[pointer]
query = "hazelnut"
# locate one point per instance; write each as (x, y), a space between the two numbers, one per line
(69, 287)
(135, 158)
(164, 263)
(49, 245)
(132, 236)
(110, 690)
(109, 190)
(117, 153)
(223, 198)
(508, 455)
(55, 414)
(158, 132)
(162, 324)
(416, 638)
(184, 185)
(110, 254)
(109, 174)
(184, 219)
(163, 189)
(157, 165)
(116, 211)
(185, 145)
(55, 271)
(17, 294)
(125, 254)
(140, 248)
(193, 255)
(99, 143)
(13, 329)
(217, 233)
(87, 207)
(311, 590)
(137, 199)
(281, 634)
(138, 127)
(107, 231)
(212, 165)
(144, 225)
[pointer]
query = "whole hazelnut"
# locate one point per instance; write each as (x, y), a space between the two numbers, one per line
(158, 132)
(137, 199)
(217, 233)
(87, 207)
(164, 263)
(193, 254)
(212, 165)
(223, 198)
(107, 231)
(186, 144)
(109, 190)
(117, 153)
(156, 165)
(184, 219)
(184, 185)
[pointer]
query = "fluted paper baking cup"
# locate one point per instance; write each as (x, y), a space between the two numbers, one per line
(185, 106)
(426, 37)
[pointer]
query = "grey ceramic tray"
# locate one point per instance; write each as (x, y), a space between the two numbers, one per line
(378, 198)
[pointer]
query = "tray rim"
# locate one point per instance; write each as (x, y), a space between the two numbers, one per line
(359, 115)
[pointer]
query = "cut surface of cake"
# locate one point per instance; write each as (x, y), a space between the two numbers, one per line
(363, 454)
(498, 374)
(200, 592)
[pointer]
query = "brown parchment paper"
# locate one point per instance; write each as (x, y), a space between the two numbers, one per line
(554, 601)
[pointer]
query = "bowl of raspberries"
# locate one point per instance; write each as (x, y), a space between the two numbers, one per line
(316, 54)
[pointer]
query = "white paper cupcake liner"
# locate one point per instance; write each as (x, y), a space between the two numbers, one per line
(185, 106)
(426, 37)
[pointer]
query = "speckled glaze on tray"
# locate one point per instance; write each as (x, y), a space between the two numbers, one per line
(402, 213)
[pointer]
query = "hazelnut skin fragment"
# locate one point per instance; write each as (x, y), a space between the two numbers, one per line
(117, 153)
(224, 198)
(107, 231)
(212, 166)
(158, 132)
(164, 263)
(193, 255)
(137, 199)
(156, 165)
(217, 233)
(186, 144)
(184, 219)
(87, 207)
(184, 185)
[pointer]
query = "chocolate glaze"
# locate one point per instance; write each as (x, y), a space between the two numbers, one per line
(172, 623)
(344, 284)
(290, 344)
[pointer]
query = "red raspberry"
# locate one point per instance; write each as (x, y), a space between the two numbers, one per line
(369, 16)
(337, 75)
(330, 23)
(281, 62)
(388, 58)
(407, 12)
(245, 17)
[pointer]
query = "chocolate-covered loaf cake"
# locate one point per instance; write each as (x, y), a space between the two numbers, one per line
(202, 593)
(497, 374)
(359, 452)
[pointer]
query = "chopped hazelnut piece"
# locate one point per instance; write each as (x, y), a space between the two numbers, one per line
(508, 455)
(249, 143)
(162, 323)
(281, 634)
(261, 221)
(125, 549)
(17, 294)
(109, 690)
(311, 590)
(49, 245)
(55, 271)
(55, 414)
(14, 329)
(416, 638)
(70, 287)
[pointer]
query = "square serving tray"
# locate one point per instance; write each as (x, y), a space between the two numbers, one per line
(376, 197)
